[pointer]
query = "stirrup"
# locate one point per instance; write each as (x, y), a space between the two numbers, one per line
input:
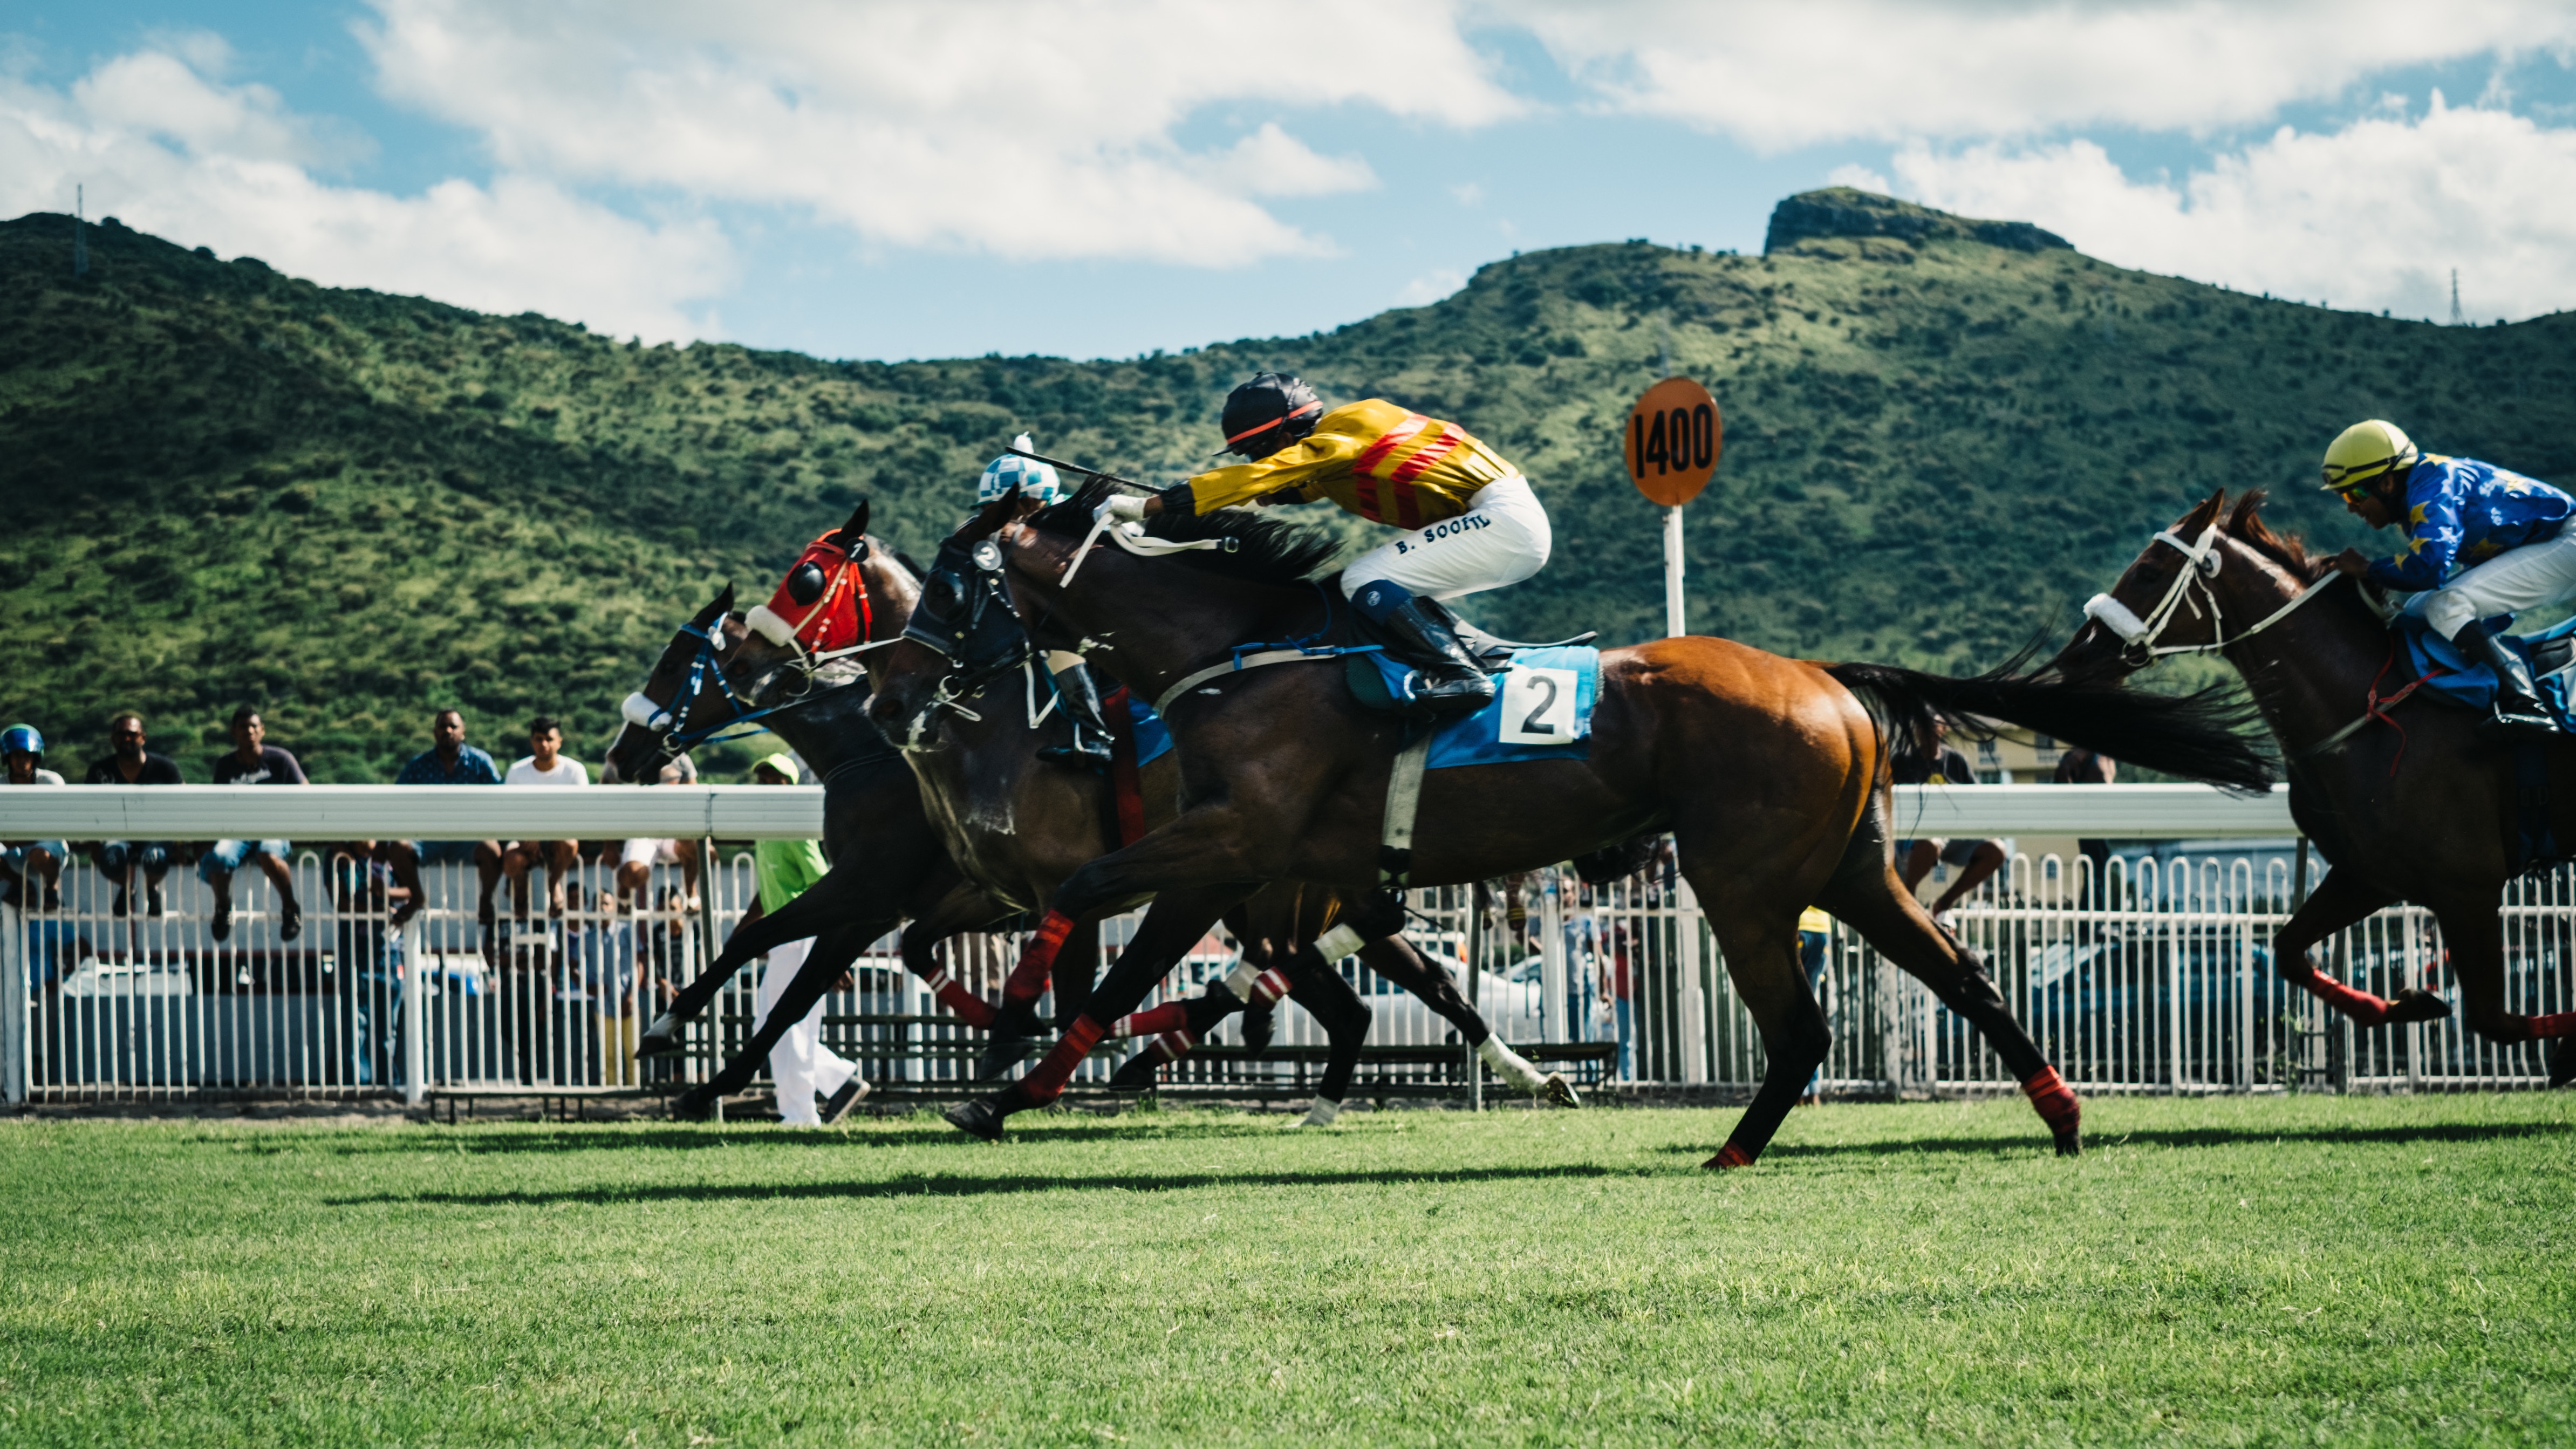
(2519, 724)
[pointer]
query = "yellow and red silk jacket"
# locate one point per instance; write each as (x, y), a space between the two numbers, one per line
(1373, 458)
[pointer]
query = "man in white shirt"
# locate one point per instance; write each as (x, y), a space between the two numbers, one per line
(545, 764)
(635, 863)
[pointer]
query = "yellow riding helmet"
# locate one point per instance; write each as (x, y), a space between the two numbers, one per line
(2364, 451)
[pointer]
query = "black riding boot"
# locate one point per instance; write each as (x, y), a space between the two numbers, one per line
(1090, 747)
(2519, 713)
(1449, 682)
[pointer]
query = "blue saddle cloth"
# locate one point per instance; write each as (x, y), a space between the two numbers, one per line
(1541, 710)
(1153, 737)
(2450, 673)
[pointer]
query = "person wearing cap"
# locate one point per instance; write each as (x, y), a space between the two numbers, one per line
(1033, 478)
(1471, 522)
(801, 1066)
(23, 745)
(2481, 541)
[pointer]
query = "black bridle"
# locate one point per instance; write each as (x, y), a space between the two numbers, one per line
(965, 614)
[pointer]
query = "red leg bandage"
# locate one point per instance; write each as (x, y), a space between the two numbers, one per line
(969, 1008)
(2361, 1006)
(2555, 1024)
(1729, 1156)
(2054, 1101)
(1171, 1046)
(1268, 987)
(1045, 1081)
(1166, 1017)
(1037, 958)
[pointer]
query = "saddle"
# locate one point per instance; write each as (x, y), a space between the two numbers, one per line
(1492, 653)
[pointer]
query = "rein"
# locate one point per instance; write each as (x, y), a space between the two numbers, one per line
(644, 714)
(1130, 535)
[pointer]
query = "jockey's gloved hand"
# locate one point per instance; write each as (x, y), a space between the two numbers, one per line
(1119, 505)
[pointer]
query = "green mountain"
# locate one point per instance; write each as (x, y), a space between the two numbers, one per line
(225, 485)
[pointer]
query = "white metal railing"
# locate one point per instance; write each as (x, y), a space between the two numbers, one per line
(2155, 979)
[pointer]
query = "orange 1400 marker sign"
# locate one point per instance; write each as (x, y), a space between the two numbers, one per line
(1674, 437)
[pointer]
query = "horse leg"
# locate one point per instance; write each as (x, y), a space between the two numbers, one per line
(1345, 1018)
(961, 908)
(810, 914)
(1177, 919)
(832, 954)
(1761, 950)
(2476, 939)
(1394, 958)
(1076, 967)
(2340, 900)
(1867, 895)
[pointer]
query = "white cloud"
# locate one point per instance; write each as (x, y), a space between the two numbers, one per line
(1028, 130)
(169, 151)
(1778, 76)
(1430, 287)
(2372, 216)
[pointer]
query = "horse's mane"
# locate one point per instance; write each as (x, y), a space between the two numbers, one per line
(2246, 524)
(1266, 550)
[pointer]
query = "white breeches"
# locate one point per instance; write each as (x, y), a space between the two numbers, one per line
(1502, 540)
(2533, 576)
(800, 1064)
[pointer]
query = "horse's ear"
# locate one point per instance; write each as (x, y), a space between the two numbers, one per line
(2203, 516)
(857, 528)
(991, 517)
(712, 612)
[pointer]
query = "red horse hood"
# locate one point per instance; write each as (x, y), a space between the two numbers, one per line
(822, 603)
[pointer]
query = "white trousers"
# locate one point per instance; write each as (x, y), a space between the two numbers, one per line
(2533, 576)
(1502, 540)
(800, 1064)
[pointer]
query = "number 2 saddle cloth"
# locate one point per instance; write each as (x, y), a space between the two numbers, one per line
(1541, 710)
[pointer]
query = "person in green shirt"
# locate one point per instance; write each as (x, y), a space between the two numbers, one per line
(800, 1064)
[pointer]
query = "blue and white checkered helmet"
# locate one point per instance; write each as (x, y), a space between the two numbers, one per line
(1035, 479)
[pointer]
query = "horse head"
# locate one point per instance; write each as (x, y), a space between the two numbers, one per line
(845, 593)
(651, 714)
(2216, 576)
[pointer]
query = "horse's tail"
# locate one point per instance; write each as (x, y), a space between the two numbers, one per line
(2199, 736)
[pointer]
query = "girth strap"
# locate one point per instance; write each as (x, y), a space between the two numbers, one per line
(1403, 802)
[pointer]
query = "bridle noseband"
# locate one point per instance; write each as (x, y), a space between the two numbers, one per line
(2201, 562)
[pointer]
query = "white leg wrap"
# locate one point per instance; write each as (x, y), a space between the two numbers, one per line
(1338, 942)
(1511, 1066)
(1239, 980)
(1322, 1113)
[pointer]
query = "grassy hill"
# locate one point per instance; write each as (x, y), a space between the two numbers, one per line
(225, 485)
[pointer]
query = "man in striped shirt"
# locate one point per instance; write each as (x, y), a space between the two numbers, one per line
(1470, 520)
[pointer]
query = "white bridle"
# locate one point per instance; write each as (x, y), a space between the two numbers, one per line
(2201, 560)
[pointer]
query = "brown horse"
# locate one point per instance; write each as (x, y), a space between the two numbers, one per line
(1771, 773)
(2406, 802)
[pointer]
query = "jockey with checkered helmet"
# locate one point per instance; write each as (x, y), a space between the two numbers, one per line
(2481, 542)
(1073, 683)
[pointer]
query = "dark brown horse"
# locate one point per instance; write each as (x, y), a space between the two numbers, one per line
(1771, 773)
(2408, 804)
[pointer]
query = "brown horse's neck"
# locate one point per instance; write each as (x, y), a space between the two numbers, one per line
(1153, 623)
(2309, 674)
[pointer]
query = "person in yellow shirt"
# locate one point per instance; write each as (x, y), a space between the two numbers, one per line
(1470, 520)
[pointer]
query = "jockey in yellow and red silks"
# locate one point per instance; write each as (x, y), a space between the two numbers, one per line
(1470, 520)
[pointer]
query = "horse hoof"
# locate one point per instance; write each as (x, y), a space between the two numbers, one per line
(693, 1106)
(1001, 1054)
(978, 1118)
(2070, 1144)
(2562, 1061)
(1728, 1158)
(2412, 1004)
(1136, 1074)
(657, 1042)
(1560, 1091)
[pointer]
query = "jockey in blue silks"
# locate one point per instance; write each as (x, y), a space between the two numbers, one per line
(1090, 747)
(2481, 541)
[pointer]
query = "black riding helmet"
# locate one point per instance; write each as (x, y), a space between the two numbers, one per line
(1268, 413)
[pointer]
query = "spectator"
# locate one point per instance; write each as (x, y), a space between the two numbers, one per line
(1815, 934)
(24, 748)
(800, 1064)
(2080, 766)
(131, 764)
(252, 761)
(448, 761)
(1974, 859)
(635, 864)
(1615, 983)
(545, 764)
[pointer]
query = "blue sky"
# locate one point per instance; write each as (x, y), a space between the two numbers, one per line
(902, 180)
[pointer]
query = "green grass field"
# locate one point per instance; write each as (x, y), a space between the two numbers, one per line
(2275, 1271)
